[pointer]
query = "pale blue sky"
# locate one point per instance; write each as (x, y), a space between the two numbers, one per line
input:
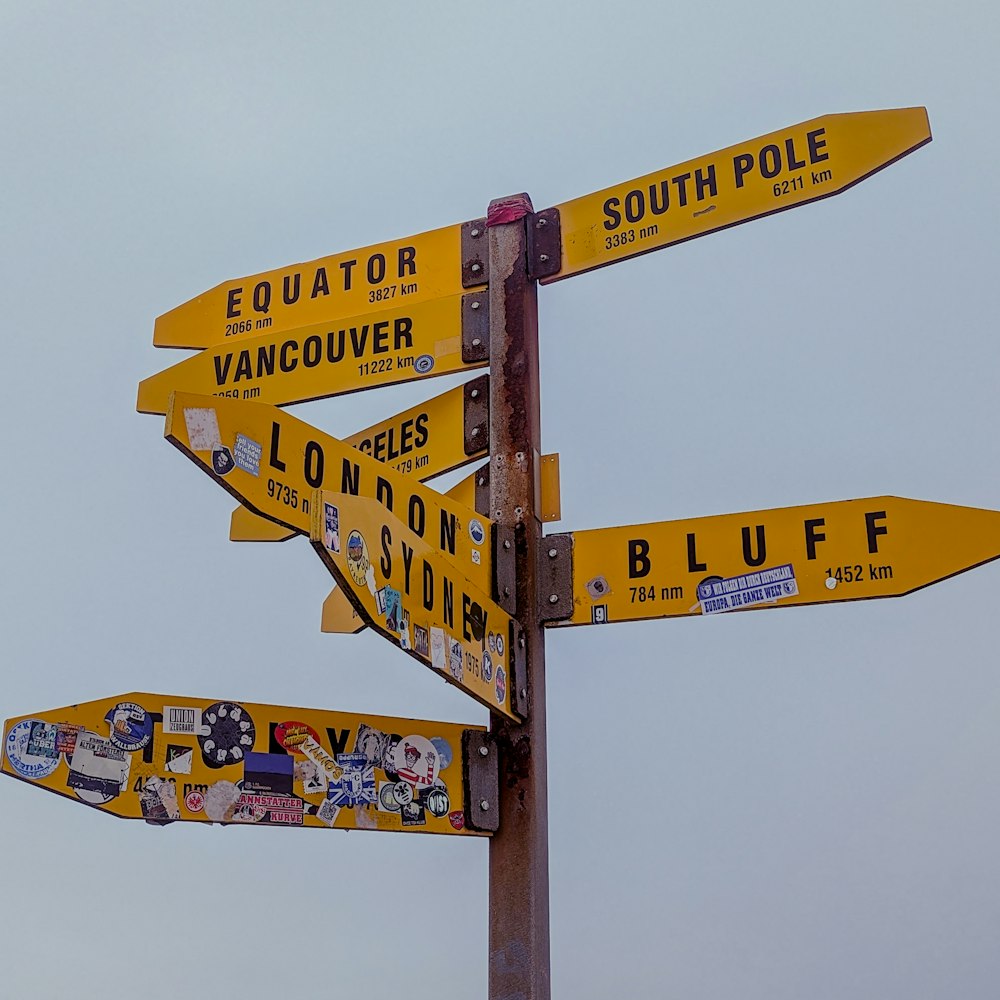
(770, 806)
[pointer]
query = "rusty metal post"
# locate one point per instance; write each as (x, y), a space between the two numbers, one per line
(519, 852)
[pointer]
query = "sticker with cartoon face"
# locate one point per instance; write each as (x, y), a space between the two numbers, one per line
(416, 760)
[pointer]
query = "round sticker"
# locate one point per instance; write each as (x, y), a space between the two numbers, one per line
(291, 735)
(487, 666)
(499, 644)
(501, 685)
(492, 642)
(443, 748)
(227, 734)
(416, 761)
(222, 460)
(476, 531)
(357, 558)
(131, 726)
(437, 801)
(387, 797)
(402, 793)
(30, 758)
(194, 800)
(423, 364)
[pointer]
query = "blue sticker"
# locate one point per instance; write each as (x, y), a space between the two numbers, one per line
(443, 748)
(247, 454)
(356, 786)
(760, 587)
(26, 763)
(131, 726)
(392, 609)
(476, 531)
(222, 460)
(487, 665)
(423, 364)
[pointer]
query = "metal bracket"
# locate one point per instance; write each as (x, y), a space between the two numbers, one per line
(475, 254)
(477, 415)
(483, 490)
(504, 574)
(544, 244)
(475, 327)
(555, 578)
(518, 670)
(481, 781)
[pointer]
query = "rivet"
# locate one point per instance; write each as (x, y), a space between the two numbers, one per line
(518, 511)
(475, 305)
(474, 394)
(506, 591)
(481, 481)
(553, 553)
(476, 268)
(476, 342)
(831, 583)
(553, 598)
(539, 223)
(484, 751)
(474, 232)
(475, 432)
(543, 257)
(484, 805)
(506, 543)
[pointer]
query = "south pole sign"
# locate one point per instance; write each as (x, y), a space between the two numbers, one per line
(466, 583)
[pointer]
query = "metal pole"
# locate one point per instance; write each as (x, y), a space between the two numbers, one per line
(519, 852)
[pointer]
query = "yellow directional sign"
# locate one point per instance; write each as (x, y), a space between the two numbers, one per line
(843, 551)
(392, 343)
(414, 269)
(164, 758)
(417, 598)
(791, 167)
(339, 615)
(271, 462)
(426, 440)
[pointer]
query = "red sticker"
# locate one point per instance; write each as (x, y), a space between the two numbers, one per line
(291, 735)
(457, 819)
(195, 801)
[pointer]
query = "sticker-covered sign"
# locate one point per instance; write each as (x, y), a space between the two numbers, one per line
(410, 270)
(843, 551)
(297, 459)
(391, 573)
(791, 167)
(244, 763)
(399, 342)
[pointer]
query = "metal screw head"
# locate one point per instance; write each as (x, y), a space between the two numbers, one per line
(543, 257)
(476, 342)
(481, 481)
(484, 804)
(518, 511)
(553, 553)
(506, 543)
(476, 268)
(553, 598)
(475, 432)
(484, 751)
(540, 223)
(520, 641)
(474, 232)
(475, 305)
(524, 692)
(506, 591)
(474, 394)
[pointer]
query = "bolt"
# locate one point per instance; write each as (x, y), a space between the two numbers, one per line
(476, 342)
(475, 432)
(474, 233)
(506, 591)
(484, 751)
(543, 257)
(518, 511)
(831, 583)
(475, 393)
(539, 223)
(475, 305)
(553, 598)
(520, 456)
(481, 481)
(524, 692)
(506, 543)
(520, 641)
(553, 553)
(476, 268)
(484, 805)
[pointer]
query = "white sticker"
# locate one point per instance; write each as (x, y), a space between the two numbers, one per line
(370, 579)
(181, 721)
(328, 812)
(202, 428)
(439, 649)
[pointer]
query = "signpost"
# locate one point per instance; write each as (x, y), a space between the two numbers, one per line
(847, 550)
(465, 582)
(781, 170)
(390, 344)
(165, 758)
(417, 598)
(271, 462)
(433, 265)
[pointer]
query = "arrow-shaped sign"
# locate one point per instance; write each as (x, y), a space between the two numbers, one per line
(163, 758)
(419, 599)
(848, 550)
(785, 169)
(433, 265)
(271, 462)
(389, 345)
